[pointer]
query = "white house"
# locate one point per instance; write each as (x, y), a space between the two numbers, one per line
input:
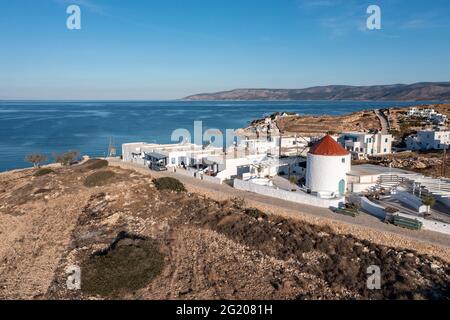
(327, 166)
(428, 140)
(429, 114)
(171, 155)
(421, 113)
(439, 119)
(362, 144)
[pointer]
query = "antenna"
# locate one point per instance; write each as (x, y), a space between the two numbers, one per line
(111, 149)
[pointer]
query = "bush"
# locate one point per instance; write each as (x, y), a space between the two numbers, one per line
(168, 183)
(43, 172)
(66, 158)
(99, 178)
(238, 203)
(95, 164)
(255, 213)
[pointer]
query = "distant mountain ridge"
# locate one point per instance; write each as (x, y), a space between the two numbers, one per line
(431, 91)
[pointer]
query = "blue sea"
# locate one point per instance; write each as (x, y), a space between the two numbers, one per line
(48, 127)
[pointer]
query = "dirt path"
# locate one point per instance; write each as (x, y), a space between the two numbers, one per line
(364, 226)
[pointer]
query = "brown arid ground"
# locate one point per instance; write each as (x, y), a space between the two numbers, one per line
(313, 125)
(309, 125)
(133, 241)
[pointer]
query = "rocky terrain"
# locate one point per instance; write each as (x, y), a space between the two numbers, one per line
(433, 91)
(426, 163)
(135, 238)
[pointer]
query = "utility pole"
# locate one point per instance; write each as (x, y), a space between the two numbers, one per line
(444, 161)
(111, 148)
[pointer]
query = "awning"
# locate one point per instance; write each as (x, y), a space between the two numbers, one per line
(208, 162)
(155, 155)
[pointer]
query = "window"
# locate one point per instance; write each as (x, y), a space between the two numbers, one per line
(173, 160)
(386, 140)
(385, 150)
(343, 160)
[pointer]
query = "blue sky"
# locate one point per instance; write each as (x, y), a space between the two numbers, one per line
(165, 49)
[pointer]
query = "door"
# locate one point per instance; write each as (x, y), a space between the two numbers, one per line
(342, 186)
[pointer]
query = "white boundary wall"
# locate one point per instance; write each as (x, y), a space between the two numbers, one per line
(298, 197)
(379, 212)
(207, 178)
(431, 225)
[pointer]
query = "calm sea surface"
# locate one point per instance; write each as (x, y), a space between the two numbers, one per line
(48, 127)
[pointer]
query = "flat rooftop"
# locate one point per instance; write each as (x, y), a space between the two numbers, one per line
(373, 170)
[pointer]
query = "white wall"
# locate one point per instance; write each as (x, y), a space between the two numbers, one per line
(298, 197)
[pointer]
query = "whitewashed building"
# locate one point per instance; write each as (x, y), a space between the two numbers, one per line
(362, 144)
(428, 140)
(428, 114)
(171, 155)
(327, 166)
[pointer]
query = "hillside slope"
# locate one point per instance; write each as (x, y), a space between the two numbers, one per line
(433, 91)
(134, 241)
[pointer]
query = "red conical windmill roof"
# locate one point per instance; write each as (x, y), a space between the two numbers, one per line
(328, 147)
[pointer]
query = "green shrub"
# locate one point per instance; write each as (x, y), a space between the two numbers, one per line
(43, 172)
(429, 200)
(95, 164)
(99, 178)
(293, 180)
(255, 213)
(168, 183)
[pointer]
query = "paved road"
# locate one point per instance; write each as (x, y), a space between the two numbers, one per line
(226, 192)
(384, 121)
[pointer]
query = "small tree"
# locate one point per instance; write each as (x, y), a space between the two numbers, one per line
(429, 201)
(293, 180)
(36, 159)
(66, 158)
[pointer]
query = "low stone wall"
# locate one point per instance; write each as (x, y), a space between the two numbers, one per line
(298, 197)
